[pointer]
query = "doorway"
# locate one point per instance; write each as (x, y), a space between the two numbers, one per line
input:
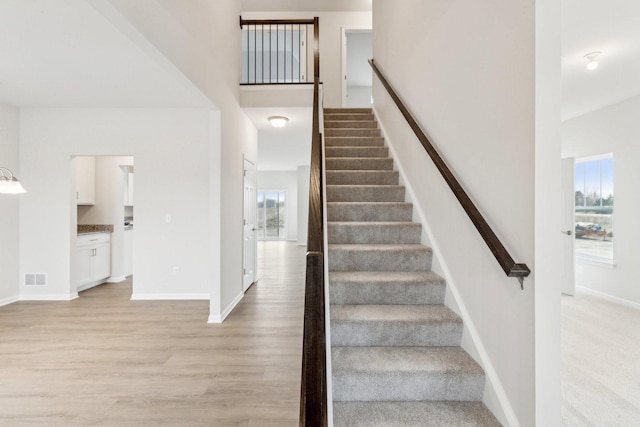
(249, 226)
(102, 210)
(357, 81)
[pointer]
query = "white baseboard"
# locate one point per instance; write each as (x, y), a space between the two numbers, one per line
(9, 300)
(89, 286)
(116, 279)
(147, 297)
(49, 297)
(610, 298)
(219, 318)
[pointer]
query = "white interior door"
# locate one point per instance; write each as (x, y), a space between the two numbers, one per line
(568, 226)
(249, 221)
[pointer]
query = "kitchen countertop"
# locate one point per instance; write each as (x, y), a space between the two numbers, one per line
(94, 228)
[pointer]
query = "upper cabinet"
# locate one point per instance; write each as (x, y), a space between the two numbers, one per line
(85, 174)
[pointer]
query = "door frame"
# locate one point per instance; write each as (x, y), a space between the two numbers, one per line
(343, 53)
(248, 165)
(567, 224)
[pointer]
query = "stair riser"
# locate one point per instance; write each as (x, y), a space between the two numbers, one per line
(369, 212)
(397, 386)
(380, 260)
(362, 178)
(352, 132)
(359, 164)
(372, 233)
(338, 141)
(340, 117)
(356, 152)
(385, 293)
(347, 111)
(382, 193)
(394, 333)
(350, 124)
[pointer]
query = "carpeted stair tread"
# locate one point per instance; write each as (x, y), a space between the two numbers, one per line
(352, 132)
(379, 257)
(354, 141)
(365, 193)
(369, 211)
(405, 373)
(412, 414)
(394, 325)
(362, 151)
(350, 124)
(359, 163)
(348, 116)
(347, 111)
(374, 232)
(386, 287)
(362, 177)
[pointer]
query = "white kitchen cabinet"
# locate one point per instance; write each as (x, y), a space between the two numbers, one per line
(85, 173)
(93, 260)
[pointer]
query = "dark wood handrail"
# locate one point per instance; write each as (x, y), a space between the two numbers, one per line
(313, 384)
(276, 21)
(510, 267)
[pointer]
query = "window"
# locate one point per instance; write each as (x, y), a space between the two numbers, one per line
(594, 208)
(271, 215)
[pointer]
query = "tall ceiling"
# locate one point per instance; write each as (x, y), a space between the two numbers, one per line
(612, 27)
(306, 5)
(64, 53)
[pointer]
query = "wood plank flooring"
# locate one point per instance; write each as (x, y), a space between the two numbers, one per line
(601, 368)
(104, 360)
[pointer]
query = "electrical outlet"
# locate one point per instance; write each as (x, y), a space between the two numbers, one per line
(176, 270)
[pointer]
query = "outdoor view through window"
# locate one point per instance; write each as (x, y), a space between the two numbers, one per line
(271, 215)
(594, 208)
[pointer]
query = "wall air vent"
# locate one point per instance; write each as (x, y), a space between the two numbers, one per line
(35, 279)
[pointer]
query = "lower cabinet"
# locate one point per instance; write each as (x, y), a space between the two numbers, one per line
(93, 260)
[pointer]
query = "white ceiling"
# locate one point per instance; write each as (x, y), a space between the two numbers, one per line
(306, 5)
(64, 53)
(612, 27)
(285, 148)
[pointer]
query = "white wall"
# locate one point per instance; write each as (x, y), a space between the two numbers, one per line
(288, 181)
(172, 148)
(331, 24)
(9, 205)
(613, 129)
(202, 39)
(474, 96)
(109, 207)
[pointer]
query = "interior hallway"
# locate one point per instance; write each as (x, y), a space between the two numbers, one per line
(104, 360)
(601, 368)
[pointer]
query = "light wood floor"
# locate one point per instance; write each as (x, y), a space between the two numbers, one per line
(601, 363)
(103, 360)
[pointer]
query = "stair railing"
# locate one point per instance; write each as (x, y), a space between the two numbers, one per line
(313, 392)
(509, 266)
(276, 51)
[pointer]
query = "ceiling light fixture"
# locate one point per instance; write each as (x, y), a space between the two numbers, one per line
(278, 121)
(9, 184)
(592, 58)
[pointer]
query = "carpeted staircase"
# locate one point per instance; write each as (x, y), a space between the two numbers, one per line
(396, 355)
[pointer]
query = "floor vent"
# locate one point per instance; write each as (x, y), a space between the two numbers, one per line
(35, 279)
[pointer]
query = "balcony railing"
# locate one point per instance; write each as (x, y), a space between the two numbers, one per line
(277, 51)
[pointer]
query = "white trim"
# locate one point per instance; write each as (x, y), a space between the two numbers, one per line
(89, 285)
(147, 297)
(494, 385)
(616, 300)
(219, 318)
(9, 300)
(57, 297)
(116, 279)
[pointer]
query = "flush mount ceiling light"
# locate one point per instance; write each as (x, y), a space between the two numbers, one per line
(592, 58)
(278, 121)
(9, 184)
